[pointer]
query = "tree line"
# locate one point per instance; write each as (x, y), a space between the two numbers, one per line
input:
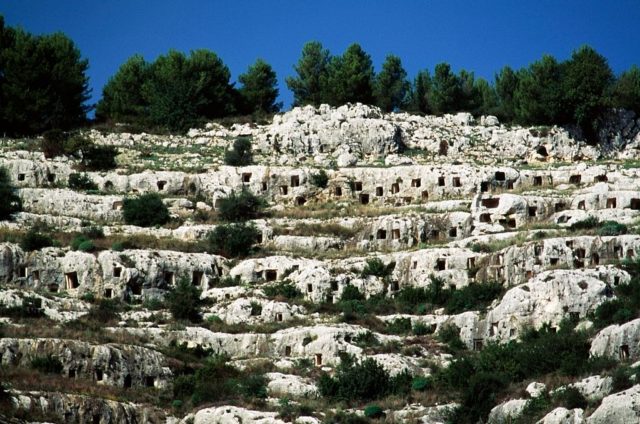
(44, 85)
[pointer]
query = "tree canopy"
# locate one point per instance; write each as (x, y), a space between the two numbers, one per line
(43, 82)
(260, 88)
(391, 85)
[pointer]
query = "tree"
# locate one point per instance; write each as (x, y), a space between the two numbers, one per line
(486, 99)
(10, 201)
(391, 85)
(122, 96)
(147, 210)
(43, 83)
(234, 240)
(241, 154)
(241, 207)
(446, 93)
(310, 85)
(182, 90)
(505, 87)
(420, 92)
(586, 76)
(184, 301)
(259, 88)
(351, 77)
(538, 97)
(626, 90)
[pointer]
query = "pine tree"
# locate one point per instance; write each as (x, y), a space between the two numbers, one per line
(391, 85)
(310, 85)
(259, 88)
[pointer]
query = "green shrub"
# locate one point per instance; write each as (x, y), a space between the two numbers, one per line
(47, 364)
(10, 203)
(241, 207)
(81, 182)
(105, 311)
(586, 224)
(473, 297)
(77, 241)
(52, 143)
(99, 158)
(256, 309)
(373, 411)
(233, 240)
(93, 232)
(420, 384)
(420, 329)
(34, 240)
(286, 290)
(254, 386)
(350, 293)
(612, 228)
(621, 379)
(571, 398)
(377, 268)
(450, 335)
(241, 154)
(320, 179)
(399, 326)
(117, 246)
(147, 210)
(87, 246)
(362, 381)
(184, 301)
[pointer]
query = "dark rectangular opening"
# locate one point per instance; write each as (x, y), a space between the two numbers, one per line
(581, 205)
(416, 182)
(559, 206)
(477, 344)
(338, 191)
(395, 233)
(287, 351)
(537, 181)
(441, 181)
(575, 179)
(117, 271)
(364, 198)
(271, 275)
(453, 232)
(600, 178)
(71, 280)
(532, 211)
(21, 177)
(295, 181)
(491, 202)
(379, 191)
(611, 203)
(484, 187)
(441, 264)
(246, 177)
(381, 234)
(357, 186)
(161, 185)
(425, 195)
(395, 188)
(635, 204)
(300, 201)
(486, 218)
(500, 176)
(623, 352)
(169, 277)
(196, 278)
(284, 190)
(456, 182)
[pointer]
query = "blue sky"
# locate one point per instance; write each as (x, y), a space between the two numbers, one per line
(481, 36)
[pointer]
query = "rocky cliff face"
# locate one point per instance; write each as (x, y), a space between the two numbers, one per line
(433, 239)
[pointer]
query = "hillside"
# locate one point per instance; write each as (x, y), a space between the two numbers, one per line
(365, 267)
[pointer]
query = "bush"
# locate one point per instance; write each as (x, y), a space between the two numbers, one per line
(571, 398)
(10, 203)
(87, 246)
(241, 207)
(99, 158)
(93, 232)
(147, 210)
(586, 224)
(241, 154)
(612, 228)
(363, 381)
(233, 240)
(399, 326)
(420, 384)
(373, 411)
(52, 143)
(320, 179)
(105, 311)
(184, 301)
(450, 334)
(286, 290)
(81, 182)
(47, 364)
(77, 241)
(621, 379)
(377, 268)
(350, 293)
(421, 329)
(473, 297)
(34, 240)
